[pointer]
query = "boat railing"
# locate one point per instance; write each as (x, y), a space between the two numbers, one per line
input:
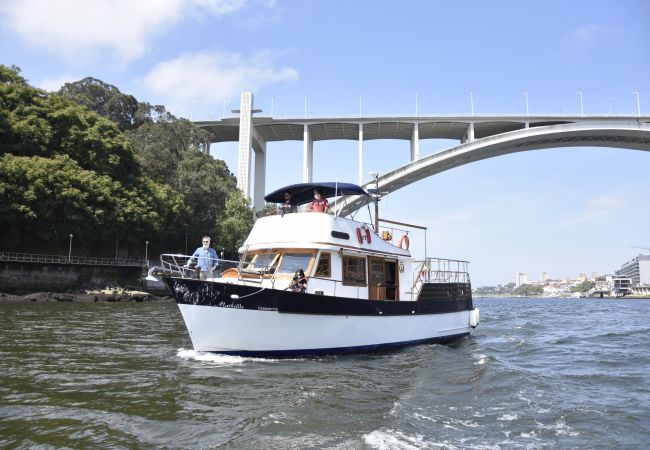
(184, 265)
(439, 270)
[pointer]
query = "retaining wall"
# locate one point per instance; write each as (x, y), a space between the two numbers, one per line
(25, 277)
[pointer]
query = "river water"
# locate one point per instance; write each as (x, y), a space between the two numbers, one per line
(537, 373)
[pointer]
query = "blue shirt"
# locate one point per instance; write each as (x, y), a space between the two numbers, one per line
(207, 259)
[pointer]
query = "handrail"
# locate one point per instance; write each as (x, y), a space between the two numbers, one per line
(178, 264)
(78, 260)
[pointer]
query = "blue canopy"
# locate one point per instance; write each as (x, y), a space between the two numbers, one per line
(304, 192)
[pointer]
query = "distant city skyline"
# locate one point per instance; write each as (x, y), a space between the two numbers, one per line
(563, 211)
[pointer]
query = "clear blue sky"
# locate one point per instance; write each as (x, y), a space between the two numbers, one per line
(561, 211)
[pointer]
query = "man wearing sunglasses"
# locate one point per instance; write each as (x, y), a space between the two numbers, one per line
(207, 261)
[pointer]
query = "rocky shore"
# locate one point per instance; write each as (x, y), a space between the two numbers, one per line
(102, 295)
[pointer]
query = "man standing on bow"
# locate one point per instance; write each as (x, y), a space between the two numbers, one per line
(207, 261)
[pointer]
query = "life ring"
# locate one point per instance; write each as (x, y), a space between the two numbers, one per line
(404, 239)
(368, 235)
(359, 236)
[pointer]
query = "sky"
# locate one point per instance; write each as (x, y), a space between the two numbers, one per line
(563, 211)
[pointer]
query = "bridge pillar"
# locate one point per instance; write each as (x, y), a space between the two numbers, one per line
(260, 176)
(307, 156)
(360, 154)
(415, 143)
(245, 142)
(469, 134)
(206, 148)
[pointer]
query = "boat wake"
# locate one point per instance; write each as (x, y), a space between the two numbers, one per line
(216, 358)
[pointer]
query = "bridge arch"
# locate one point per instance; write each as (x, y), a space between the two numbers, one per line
(634, 135)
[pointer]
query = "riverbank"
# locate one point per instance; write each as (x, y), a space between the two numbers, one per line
(103, 295)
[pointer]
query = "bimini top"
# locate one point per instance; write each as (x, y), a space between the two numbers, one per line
(304, 192)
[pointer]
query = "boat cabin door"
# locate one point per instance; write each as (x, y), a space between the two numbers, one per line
(382, 277)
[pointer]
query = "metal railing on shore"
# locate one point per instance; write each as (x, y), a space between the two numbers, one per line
(78, 260)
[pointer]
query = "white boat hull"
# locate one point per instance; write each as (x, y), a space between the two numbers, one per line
(245, 331)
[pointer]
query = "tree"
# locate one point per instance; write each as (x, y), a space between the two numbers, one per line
(107, 101)
(161, 146)
(236, 223)
(528, 290)
(585, 286)
(45, 199)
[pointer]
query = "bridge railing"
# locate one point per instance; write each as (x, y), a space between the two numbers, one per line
(78, 260)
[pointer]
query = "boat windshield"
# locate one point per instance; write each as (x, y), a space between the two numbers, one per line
(291, 262)
(260, 262)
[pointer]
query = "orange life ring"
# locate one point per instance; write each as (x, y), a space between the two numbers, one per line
(403, 239)
(359, 236)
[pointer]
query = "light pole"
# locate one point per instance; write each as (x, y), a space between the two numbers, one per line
(70, 249)
(638, 103)
(526, 95)
(471, 102)
(146, 253)
(375, 175)
(582, 109)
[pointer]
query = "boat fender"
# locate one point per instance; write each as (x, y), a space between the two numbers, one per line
(404, 239)
(368, 235)
(359, 236)
(474, 317)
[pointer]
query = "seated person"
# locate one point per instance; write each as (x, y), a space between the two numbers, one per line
(286, 207)
(299, 282)
(319, 204)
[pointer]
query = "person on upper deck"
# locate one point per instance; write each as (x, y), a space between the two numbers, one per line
(319, 204)
(286, 207)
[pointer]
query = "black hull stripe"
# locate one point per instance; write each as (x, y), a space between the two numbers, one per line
(343, 350)
(215, 294)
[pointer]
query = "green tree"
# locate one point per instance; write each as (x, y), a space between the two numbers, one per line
(528, 290)
(236, 223)
(161, 146)
(585, 286)
(45, 199)
(107, 101)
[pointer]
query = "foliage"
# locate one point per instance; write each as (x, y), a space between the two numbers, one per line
(508, 289)
(34, 123)
(528, 290)
(46, 199)
(236, 224)
(585, 286)
(160, 147)
(67, 167)
(107, 101)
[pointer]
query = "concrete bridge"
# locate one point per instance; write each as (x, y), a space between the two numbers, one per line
(480, 137)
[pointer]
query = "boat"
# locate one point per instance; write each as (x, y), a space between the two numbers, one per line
(362, 291)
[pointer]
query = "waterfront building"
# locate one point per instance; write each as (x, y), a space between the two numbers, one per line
(621, 285)
(522, 279)
(544, 277)
(638, 270)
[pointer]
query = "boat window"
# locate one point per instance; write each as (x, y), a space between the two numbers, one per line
(324, 267)
(354, 271)
(260, 262)
(291, 262)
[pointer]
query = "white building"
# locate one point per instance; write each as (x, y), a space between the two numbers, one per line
(638, 270)
(522, 279)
